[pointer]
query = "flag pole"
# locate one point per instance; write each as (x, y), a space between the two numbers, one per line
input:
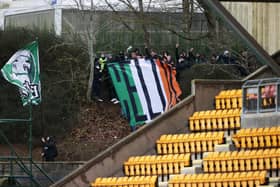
(30, 143)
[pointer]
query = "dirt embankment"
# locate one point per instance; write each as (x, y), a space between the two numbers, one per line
(100, 126)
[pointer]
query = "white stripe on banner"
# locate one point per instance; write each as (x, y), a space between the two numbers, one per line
(139, 89)
(151, 85)
(162, 88)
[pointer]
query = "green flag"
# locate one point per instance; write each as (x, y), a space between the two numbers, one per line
(23, 70)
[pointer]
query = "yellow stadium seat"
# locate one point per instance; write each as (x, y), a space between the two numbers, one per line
(194, 142)
(237, 113)
(143, 181)
(249, 142)
(257, 138)
(250, 160)
(229, 163)
(218, 180)
(274, 142)
(223, 164)
(209, 119)
(274, 163)
(248, 163)
(181, 147)
(220, 100)
(202, 121)
(214, 120)
(228, 100)
(204, 145)
(156, 165)
(255, 141)
(218, 103)
(220, 120)
(223, 103)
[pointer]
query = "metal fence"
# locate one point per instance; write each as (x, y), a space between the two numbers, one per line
(261, 96)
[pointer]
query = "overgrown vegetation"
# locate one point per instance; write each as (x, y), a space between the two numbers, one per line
(63, 78)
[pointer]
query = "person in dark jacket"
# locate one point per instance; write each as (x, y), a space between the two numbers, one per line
(182, 57)
(182, 61)
(108, 81)
(96, 83)
(49, 150)
(192, 57)
(150, 53)
(226, 58)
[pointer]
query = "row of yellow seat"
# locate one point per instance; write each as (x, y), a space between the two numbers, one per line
(257, 137)
(215, 120)
(156, 165)
(139, 181)
(263, 159)
(236, 179)
(229, 99)
(189, 143)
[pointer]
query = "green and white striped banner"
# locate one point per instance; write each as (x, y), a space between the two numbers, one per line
(146, 88)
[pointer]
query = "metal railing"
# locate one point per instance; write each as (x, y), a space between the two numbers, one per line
(261, 96)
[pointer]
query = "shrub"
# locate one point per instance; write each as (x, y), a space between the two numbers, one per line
(64, 73)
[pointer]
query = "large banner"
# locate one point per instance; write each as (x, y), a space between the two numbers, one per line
(145, 88)
(23, 70)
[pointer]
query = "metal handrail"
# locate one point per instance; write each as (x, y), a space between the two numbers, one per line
(43, 172)
(258, 84)
(22, 165)
(14, 120)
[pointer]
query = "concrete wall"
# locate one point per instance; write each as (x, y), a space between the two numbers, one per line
(110, 162)
(261, 20)
(43, 20)
(206, 90)
(268, 119)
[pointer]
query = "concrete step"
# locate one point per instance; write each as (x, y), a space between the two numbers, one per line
(163, 178)
(192, 170)
(162, 184)
(197, 162)
(274, 181)
(224, 147)
(229, 140)
(195, 156)
(196, 167)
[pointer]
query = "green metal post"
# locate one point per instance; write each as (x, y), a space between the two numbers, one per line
(11, 165)
(30, 143)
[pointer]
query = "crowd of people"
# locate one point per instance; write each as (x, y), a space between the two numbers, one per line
(181, 61)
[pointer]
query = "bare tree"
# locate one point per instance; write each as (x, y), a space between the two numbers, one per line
(144, 26)
(168, 8)
(187, 14)
(137, 7)
(91, 28)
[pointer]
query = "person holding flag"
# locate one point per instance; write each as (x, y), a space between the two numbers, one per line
(23, 70)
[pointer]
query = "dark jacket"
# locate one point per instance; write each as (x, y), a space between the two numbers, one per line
(49, 150)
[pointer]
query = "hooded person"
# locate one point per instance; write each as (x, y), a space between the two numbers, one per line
(49, 149)
(102, 61)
